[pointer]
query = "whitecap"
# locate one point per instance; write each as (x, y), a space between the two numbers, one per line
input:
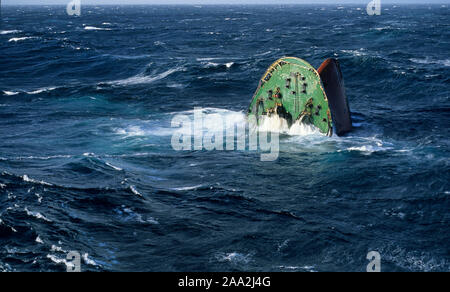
(355, 53)
(206, 59)
(235, 258)
(2, 32)
(55, 259)
(113, 167)
(135, 191)
(39, 240)
(41, 157)
(40, 90)
(142, 79)
(95, 28)
(263, 54)
(57, 249)
(10, 93)
(27, 179)
(21, 39)
(187, 188)
(369, 149)
(215, 65)
(37, 215)
(2, 186)
(428, 61)
(297, 268)
(89, 261)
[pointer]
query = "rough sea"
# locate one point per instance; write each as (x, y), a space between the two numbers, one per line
(86, 162)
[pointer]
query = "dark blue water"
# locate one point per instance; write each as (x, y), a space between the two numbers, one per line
(86, 163)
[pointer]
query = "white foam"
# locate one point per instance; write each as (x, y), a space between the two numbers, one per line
(10, 93)
(297, 268)
(355, 53)
(428, 61)
(229, 65)
(57, 249)
(187, 188)
(235, 257)
(142, 79)
(40, 90)
(37, 215)
(39, 197)
(95, 28)
(113, 167)
(135, 191)
(21, 39)
(2, 186)
(2, 32)
(40, 157)
(39, 240)
(368, 149)
(131, 131)
(215, 65)
(216, 119)
(207, 59)
(55, 259)
(27, 179)
(89, 261)
(263, 54)
(276, 124)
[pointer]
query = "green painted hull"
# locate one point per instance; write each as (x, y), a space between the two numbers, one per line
(293, 89)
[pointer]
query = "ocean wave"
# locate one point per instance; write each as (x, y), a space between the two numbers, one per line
(39, 157)
(297, 268)
(366, 149)
(127, 214)
(41, 90)
(37, 215)
(31, 92)
(2, 32)
(216, 65)
(135, 191)
(10, 93)
(187, 188)
(356, 53)
(21, 39)
(27, 179)
(414, 261)
(57, 260)
(429, 61)
(142, 79)
(276, 124)
(89, 261)
(95, 28)
(113, 167)
(234, 258)
(39, 240)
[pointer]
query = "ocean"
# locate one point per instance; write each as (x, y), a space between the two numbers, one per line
(87, 165)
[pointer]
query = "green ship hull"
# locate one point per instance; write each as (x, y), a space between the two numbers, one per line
(294, 90)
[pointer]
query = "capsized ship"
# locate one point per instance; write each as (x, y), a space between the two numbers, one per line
(294, 90)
